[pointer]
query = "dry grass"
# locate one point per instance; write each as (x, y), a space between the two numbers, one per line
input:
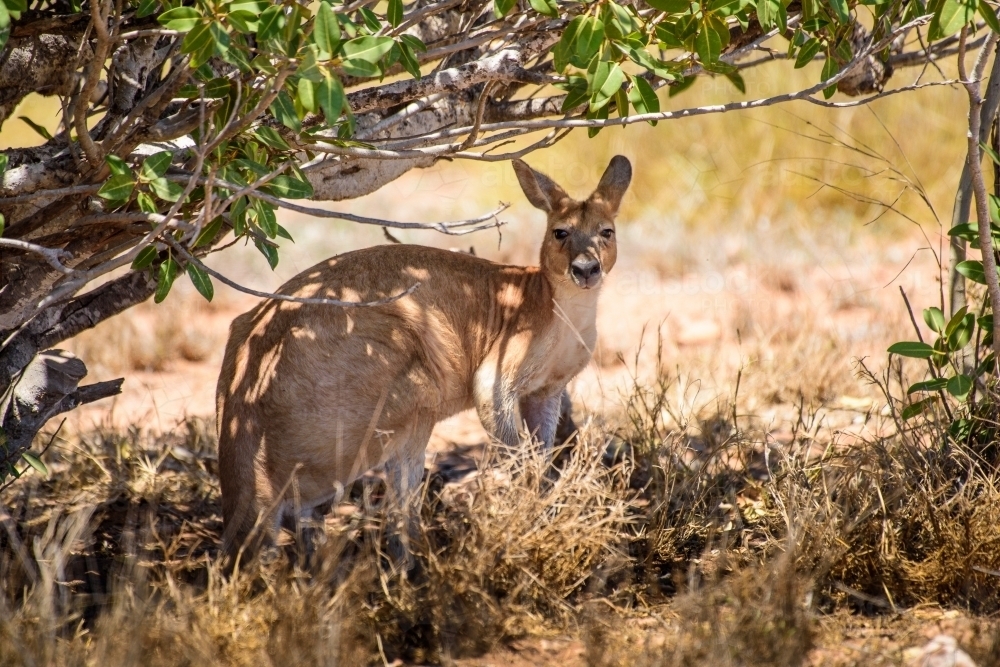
(671, 513)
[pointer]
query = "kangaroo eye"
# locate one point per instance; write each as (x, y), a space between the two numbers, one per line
(607, 233)
(560, 234)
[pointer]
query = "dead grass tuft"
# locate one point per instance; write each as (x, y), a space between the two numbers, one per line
(678, 534)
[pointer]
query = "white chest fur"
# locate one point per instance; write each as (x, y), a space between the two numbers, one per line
(567, 347)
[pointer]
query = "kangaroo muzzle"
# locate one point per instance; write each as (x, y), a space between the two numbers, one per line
(586, 272)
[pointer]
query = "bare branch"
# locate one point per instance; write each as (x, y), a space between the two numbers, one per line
(51, 255)
(505, 65)
(972, 87)
(188, 257)
(486, 221)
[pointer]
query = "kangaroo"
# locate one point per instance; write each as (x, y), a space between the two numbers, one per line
(312, 396)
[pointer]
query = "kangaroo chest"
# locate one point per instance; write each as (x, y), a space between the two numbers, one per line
(561, 353)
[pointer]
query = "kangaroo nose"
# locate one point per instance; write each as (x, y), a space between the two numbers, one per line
(585, 270)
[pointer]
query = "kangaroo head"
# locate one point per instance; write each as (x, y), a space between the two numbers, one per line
(579, 245)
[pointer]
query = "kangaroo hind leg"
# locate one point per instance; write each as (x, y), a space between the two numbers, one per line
(404, 471)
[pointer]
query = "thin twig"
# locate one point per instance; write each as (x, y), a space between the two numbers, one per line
(443, 227)
(188, 257)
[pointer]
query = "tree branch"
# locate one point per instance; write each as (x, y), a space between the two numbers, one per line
(972, 87)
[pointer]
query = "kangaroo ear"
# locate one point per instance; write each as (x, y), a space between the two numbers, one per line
(614, 183)
(540, 190)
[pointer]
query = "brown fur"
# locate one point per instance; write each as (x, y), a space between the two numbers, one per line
(312, 396)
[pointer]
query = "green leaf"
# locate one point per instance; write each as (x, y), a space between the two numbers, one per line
(502, 7)
(244, 22)
(146, 203)
(35, 463)
(960, 335)
(40, 129)
(272, 20)
(934, 319)
(913, 349)
(283, 233)
(147, 7)
(989, 16)
(683, 85)
(266, 218)
(145, 257)
(607, 81)
(4, 161)
(217, 88)
(208, 232)
(566, 47)
(155, 165)
(990, 153)
(621, 103)
(994, 206)
(409, 60)
(286, 186)
(3, 223)
(546, 7)
(269, 251)
(220, 38)
(414, 43)
(960, 386)
(367, 49)
(726, 7)
(917, 408)
(708, 45)
(360, 68)
(956, 320)
(950, 16)
(589, 37)
(201, 281)
(181, 19)
(830, 70)
(326, 30)
(671, 6)
(736, 79)
(576, 93)
(283, 110)
(600, 114)
(165, 280)
(253, 7)
(238, 214)
(807, 53)
(270, 137)
(928, 385)
(118, 166)
(166, 190)
(973, 270)
(307, 95)
(772, 14)
(394, 13)
(331, 98)
(371, 19)
(643, 97)
(117, 188)
(4, 23)
(840, 10)
(198, 39)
